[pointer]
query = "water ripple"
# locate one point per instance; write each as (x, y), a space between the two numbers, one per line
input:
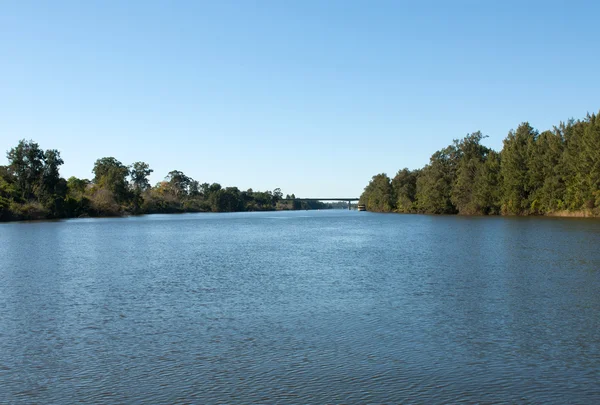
(337, 307)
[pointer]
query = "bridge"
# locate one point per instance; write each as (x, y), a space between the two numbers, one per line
(322, 199)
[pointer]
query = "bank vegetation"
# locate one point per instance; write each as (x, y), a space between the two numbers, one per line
(555, 172)
(31, 188)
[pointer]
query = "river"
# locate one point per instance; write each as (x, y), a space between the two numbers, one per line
(306, 307)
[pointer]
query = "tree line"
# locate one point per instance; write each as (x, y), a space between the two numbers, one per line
(31, 188)
(556, 172)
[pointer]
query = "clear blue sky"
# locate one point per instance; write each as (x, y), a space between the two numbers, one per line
(313, 97)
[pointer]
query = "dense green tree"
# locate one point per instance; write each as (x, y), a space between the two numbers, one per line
(179, 182)
(8, 193)
(487, 186)
(591, 161)
(228, 200)
(26, 164)
(434, 185)
(262, 200)
(204, 189)
(404, 186)
(51, 176)
(194, 188)
(53, 188)
(515, 169)
(77, 187)
(379, 194)
(545, 180)
(582, 163)
(37, 180)
(547, 173)
(139, 176)
(471, 157)
(111, 174)
(77, 202)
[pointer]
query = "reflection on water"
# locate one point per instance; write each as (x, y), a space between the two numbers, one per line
(300, 307)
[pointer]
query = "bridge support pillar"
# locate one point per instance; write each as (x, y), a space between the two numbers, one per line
(349, 205)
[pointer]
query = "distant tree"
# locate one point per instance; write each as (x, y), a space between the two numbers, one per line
(77, 187)
(26, 164)
(581, 163)
(139, 176)
(487, 186)
(111, 174)
(194, 188)
(404, 185)
(51, 175)
(204, 189)
(37, 178)
(53, 188)
(179, 182)
(227, 200)
(434, 185)
(379, 194)
(545, 181)
(471, 158)
(515, 169)
(533, 174)
(263, 200)
(8, 192)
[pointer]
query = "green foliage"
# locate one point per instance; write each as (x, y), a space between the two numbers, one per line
(194, 188)
(178, 182)
(546, 182)
(77, 187)
(379, 194)
(28, 211)
(103, 202)
(534, 174)
(227, 200)
(139, 176)
(34, 180)
(31, 188)
(487, 186)
(434, 185)
(404, 186)
(8, 193)
(110, 174)
(310, 205)
(26, 164)
(582, 162)
(471, 161)
(515, 172)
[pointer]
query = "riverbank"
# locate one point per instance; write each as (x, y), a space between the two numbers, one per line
(574, 214)
(540, 173)
(556, 214)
